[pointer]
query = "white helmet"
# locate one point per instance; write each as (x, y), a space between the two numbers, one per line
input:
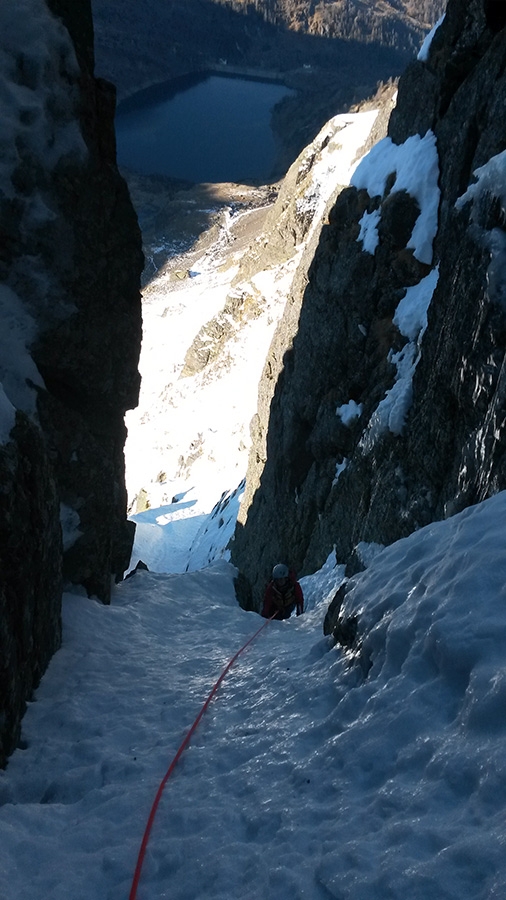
(280, 571)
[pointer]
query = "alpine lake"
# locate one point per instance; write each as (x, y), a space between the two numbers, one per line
(203, 128)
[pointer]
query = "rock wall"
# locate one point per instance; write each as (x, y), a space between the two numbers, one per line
(70, 326)
(347, 481)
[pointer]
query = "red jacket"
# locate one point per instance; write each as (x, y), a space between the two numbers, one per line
(282, 600)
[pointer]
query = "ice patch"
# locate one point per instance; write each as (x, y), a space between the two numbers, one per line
(415, 164)
(411, 319)
(491, 181)
(350, 411)
(369, 231)
(340, 467)
(496, 273)
(411, 313)
(392, 410)
(423, 53)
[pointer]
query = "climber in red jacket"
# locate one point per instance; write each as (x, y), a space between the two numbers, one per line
(283, 594)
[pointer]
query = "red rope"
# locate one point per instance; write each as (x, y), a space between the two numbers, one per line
(182, 747)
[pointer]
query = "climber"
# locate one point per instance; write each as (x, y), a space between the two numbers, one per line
(283, 594)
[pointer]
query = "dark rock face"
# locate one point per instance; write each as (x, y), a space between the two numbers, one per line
(329, 484)
(70, 265)
(30, 563)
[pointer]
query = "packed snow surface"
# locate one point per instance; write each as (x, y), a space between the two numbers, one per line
(315, 772)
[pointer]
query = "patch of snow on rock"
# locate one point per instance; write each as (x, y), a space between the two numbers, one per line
(415, 164)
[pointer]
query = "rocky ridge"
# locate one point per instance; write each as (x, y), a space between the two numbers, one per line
(291, 228)
(320, 483)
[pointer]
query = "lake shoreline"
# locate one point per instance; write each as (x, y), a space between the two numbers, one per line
(172, 86)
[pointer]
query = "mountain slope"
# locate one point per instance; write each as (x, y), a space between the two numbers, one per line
(399, 24)
(387, 406)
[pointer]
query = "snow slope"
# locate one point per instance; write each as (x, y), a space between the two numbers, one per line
(189, 436)
(314, 773)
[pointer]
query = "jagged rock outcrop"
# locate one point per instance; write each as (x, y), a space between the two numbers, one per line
(70, 264)
(358, 452)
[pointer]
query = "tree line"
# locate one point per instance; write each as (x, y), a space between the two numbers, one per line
(400, 24)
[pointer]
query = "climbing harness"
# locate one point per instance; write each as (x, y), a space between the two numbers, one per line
(177, 757)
